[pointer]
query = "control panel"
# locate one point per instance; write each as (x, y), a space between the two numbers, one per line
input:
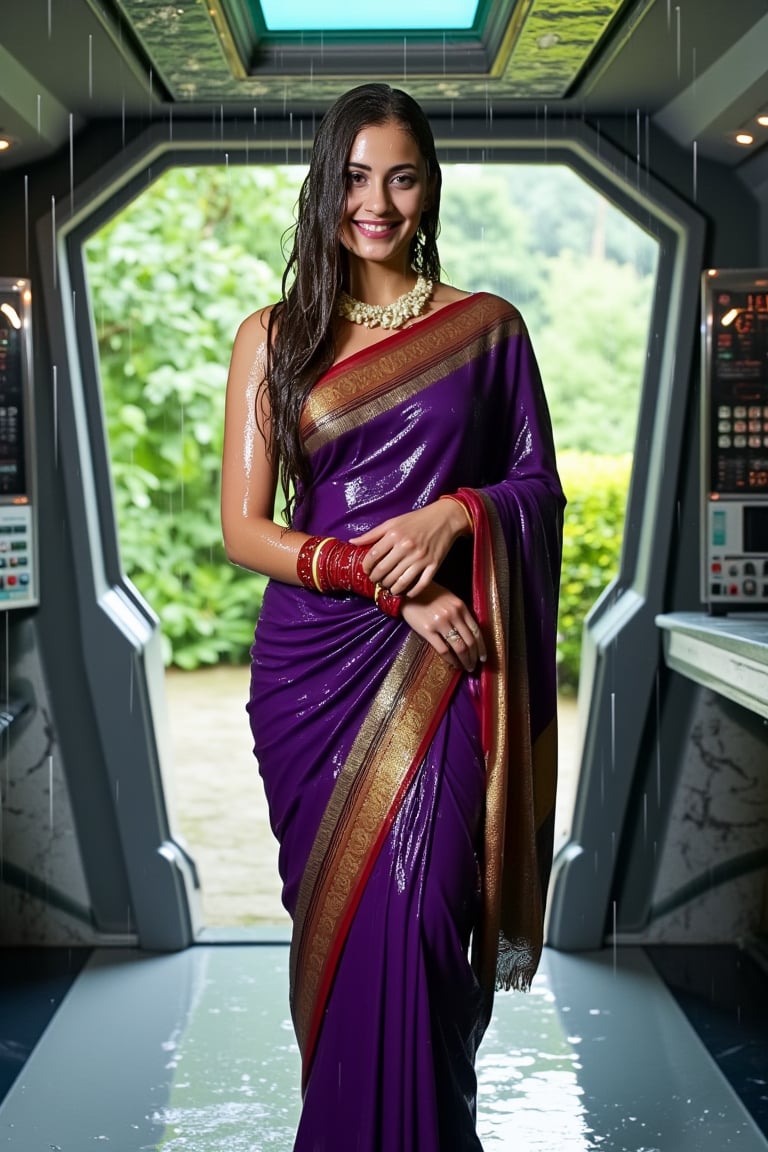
(18, 522)
(735, 439)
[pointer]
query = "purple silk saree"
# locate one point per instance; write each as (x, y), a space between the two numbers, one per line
(414, 805)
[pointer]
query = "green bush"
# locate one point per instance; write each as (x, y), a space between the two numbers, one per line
(596, 488)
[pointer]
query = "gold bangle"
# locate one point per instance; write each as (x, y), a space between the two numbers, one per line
(315, 559)
(465, 510)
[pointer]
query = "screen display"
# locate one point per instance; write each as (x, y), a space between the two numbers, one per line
(756, 528)
(12, 462)
(738, 381)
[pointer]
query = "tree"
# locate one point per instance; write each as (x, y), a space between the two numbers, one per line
(566, 212)
(485, 240)
(591, 350)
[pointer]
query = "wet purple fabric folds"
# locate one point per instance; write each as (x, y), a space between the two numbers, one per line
(454, 402)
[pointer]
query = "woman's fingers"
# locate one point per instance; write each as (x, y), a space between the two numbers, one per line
(446, 623)
(461, 635)
(421, 584)
(408, 549)
(409, 579)
(390, 561)
(465, 643)
(482, 651)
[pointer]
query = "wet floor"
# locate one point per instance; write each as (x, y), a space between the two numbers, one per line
(194, 1052)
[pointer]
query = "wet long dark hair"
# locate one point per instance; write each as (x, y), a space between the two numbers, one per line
(300, 338)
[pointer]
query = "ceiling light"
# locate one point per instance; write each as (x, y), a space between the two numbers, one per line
(763, 119)
(9, 311)
(744, 138)
(5, 143)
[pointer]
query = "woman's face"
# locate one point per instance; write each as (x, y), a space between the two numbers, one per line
(387, 192)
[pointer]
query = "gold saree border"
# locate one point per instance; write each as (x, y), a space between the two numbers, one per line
(363, 804)
(520, 778)
(400, 366)
(494, 620)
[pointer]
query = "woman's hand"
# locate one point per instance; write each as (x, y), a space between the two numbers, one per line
(406, 551)
(445, 622)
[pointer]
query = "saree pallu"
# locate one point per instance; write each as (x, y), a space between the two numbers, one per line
(413, 804)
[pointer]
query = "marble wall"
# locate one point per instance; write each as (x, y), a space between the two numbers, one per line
(712, 877)
(43, 892)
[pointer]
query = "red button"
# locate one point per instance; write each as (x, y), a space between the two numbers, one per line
(733, 589)
(10, 581)
(717, 566)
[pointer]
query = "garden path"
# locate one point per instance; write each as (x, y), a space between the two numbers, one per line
(217, 801)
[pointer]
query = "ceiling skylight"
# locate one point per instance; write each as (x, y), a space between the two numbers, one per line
(340, 16)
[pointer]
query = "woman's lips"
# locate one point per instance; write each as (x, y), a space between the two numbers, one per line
(374, 230)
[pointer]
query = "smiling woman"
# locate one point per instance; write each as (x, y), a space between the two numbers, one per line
(405, 650)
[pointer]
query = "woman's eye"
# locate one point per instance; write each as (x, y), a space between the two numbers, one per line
(354, 177)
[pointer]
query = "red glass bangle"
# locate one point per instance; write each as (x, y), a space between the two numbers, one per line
(387, 601)
(305, 561)
(325, 564)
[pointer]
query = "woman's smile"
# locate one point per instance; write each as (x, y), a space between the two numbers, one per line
(373, 229)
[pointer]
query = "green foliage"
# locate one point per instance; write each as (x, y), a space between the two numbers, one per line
(591, 350)
(596, 488)
(170, 279)
(583, 279)
(564, 212)
(172, 276)
(485, 239)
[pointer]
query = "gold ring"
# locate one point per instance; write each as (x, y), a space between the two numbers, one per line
(454, 634)
(474, 629)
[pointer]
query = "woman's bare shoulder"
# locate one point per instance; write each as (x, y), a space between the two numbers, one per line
(447, 294)
(250, 346)
(256, 326)
(249, 351)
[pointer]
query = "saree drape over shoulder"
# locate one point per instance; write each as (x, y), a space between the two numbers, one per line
(414, 805)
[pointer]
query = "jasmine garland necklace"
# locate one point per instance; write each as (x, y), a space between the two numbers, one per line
(392, 315)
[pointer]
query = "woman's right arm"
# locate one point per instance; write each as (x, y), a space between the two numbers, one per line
(248, 475)
(248, 484)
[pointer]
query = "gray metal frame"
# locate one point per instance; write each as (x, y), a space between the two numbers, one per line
(22, 287)
(119, 633)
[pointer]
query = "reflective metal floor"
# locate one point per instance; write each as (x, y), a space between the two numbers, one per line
(194, 1052)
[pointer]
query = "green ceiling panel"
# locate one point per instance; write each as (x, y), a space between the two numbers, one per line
(212, 50)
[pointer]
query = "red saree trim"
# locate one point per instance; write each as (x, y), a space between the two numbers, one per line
(399, 367)
(491, 611)
(396, 334)
(366, 798)
(520, 793)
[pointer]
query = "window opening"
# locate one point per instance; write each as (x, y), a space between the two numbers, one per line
(170, 278)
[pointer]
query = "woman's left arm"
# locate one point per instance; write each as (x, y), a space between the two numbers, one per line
(406, 551)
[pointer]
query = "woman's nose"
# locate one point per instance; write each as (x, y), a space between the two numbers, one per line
(378, 200)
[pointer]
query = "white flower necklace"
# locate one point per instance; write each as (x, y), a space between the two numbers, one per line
(392, 315)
